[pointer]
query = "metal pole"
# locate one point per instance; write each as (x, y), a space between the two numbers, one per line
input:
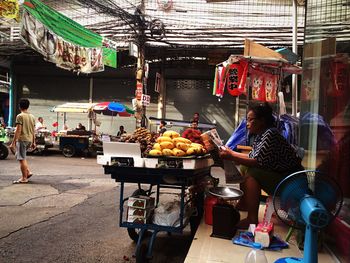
(91, 86)
(295, 50)
(237, 111)
(12, 98)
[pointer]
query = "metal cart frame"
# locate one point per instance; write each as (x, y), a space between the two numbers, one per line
(181, 179)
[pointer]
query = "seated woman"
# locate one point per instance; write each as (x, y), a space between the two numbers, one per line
(270, 161)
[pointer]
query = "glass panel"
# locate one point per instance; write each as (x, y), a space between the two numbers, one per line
(325, 105)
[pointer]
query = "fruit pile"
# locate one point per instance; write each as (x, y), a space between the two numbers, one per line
(171, 144)
(144, 137)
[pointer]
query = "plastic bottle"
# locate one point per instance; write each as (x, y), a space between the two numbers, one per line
(256, 255)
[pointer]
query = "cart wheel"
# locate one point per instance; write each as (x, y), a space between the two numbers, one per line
(68, 150)
(4, 152)
(141, 254)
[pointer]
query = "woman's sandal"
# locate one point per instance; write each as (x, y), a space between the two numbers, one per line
(20, 182)
(29, 175)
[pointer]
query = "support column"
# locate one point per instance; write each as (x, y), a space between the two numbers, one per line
(162, 93)
(91, 88)
(295, 50)
(12, 96)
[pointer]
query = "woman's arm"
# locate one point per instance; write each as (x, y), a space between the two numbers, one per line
(239, 158)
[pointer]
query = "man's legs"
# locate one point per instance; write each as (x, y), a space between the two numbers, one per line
(24, 169)
(21, 157)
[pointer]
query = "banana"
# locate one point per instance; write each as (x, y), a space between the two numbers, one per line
(155, 152)
(163, 139)
(167, 152)
(178, 152)
(171, 134)
(192, 151)
(182, 146)
(156, 146)
(166, 145)
(181, 139)
(196, 145)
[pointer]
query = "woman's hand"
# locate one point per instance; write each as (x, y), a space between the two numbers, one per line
(226, 153)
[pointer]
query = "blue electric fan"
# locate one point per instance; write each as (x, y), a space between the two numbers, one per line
(307, 200)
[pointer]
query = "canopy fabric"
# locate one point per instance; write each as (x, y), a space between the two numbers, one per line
(273, 63)
(74, 107)
(69, 30)
(113, 109)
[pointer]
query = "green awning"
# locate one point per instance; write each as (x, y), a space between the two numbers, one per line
(69, 30)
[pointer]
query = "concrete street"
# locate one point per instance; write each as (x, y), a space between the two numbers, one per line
(69, 213)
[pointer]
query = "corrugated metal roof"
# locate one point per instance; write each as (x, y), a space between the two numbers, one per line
(187, 23)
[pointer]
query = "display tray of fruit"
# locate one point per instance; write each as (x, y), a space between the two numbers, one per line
(164, 157)
(171, 145)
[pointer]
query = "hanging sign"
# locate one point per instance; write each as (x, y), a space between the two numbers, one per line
(157, 83)
(139, 89)
(145, 99)
(133, 50)
(9, 9)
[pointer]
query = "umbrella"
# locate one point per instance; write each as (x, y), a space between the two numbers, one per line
(113, 109)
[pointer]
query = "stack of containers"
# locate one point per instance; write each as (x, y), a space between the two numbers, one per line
(140, 208)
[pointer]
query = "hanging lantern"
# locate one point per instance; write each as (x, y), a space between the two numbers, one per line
(236, 78)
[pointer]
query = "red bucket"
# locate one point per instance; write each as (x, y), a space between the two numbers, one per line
(209, 202)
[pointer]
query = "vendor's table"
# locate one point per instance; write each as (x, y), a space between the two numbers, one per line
(172, 178)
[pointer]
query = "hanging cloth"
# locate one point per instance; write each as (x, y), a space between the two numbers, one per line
(339, 77)
(270, 85)
(308, 86)
(257, 84)
(222, 73)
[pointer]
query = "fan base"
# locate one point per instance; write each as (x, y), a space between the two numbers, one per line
(289, 260)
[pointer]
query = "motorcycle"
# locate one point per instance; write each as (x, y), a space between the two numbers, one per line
(4, 151)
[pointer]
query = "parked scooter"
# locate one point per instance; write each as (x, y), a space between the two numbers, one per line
(4, 151)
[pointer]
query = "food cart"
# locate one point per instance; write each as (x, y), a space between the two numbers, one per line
(72, 142)
(126, 166)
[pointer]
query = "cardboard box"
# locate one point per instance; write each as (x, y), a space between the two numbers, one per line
(140, 201)
(263, 233)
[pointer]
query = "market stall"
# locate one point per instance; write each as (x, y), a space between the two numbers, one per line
(71, 142)
(187, 176)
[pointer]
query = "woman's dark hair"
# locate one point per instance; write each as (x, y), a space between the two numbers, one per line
(263, 111)
(163, 122)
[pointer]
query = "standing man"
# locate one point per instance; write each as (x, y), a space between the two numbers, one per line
(23, 139)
